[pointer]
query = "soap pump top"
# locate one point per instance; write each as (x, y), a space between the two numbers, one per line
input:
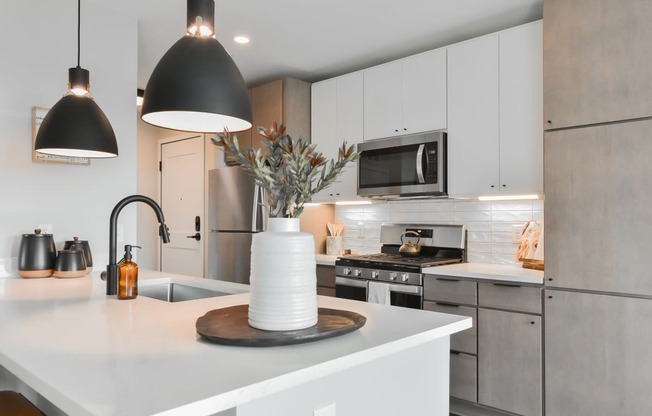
(128, 248)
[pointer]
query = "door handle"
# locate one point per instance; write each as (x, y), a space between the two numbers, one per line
(196, 236)
(419, 162)
(197, 223)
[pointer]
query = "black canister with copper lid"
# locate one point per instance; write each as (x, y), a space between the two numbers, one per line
(36, 255)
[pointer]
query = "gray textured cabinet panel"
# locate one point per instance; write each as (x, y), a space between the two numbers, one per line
(464, 377)
(509, 361)
(598, 354)
(598, 212)
(510, 296)
(597, 61)
(467, 340)
(449, 290)
(326, 280)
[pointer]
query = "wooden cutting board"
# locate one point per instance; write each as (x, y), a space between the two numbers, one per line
(229, 326)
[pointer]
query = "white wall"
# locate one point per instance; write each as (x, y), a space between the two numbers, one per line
(76, 200)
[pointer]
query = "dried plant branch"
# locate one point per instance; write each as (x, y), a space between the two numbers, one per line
(291, 171)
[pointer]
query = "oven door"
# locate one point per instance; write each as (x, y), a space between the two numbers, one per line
(406, 296)
(347, 288)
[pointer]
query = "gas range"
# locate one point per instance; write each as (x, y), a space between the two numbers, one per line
(399, 277)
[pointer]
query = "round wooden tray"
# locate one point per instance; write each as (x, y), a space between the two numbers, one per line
(229, 326)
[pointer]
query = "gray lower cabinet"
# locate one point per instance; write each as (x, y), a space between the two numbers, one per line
(598, 354)
(509, 361)
(325, 280)
(495, 366)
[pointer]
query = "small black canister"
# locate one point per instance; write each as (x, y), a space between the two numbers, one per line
(83, 245)
(36, 255)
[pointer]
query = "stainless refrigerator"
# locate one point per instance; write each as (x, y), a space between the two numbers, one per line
(235, 213)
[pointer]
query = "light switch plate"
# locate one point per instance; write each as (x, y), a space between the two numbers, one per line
(325, 411)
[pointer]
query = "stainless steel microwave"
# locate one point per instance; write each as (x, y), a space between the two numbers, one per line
(405, 166)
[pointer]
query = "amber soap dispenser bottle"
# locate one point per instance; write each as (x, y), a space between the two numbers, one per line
(128, 276)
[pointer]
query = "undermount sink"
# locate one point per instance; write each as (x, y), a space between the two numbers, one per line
(177, 292)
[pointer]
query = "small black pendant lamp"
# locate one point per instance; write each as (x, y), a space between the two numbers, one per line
(196, 86)
(76, 126)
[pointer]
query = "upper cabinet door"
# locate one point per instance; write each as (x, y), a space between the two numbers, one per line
(323, 126)
(598, 57)
(473, 129)
(382, 101)
(424, 92)
(521, 109)
(349, 129)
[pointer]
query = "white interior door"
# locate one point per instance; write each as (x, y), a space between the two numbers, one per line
(182, 201)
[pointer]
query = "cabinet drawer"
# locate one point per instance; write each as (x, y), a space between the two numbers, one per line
(510, 296)
(326, 276)
(450, 290)
(325, 291)
(464, 377)
(465, 341)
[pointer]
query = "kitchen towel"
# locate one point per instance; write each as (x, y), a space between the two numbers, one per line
(378, 293)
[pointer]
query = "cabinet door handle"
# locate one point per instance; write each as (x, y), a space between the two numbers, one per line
(447, 304)
(505, 285)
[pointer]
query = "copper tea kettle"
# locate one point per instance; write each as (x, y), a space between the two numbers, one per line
(410, 249)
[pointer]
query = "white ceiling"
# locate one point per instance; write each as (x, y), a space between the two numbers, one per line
(317, 39)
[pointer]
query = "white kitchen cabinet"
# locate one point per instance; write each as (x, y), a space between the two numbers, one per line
(495, 106)
(337, 117)
(406, 96)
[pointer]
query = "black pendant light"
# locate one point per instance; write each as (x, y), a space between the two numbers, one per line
(196, 86)
(76, 126)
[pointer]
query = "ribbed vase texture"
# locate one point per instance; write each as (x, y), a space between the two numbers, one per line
(283, 278)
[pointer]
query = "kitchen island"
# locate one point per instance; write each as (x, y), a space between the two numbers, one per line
(73, 350)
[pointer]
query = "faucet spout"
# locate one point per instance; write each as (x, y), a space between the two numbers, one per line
(112, 267)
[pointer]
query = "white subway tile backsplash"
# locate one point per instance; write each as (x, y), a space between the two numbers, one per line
(472, 206)
(437, 217)
(437, 206)
(479, 236)
(466, 216)
(406, 217)
(498, 237)
(489, 224)
(511, 216)
(407, 206)
(511, 206)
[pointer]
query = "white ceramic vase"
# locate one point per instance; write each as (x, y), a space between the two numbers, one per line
(283, 278)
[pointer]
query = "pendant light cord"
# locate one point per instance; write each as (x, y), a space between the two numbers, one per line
(78, 31)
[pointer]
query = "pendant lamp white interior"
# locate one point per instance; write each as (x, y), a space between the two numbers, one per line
(76, 126)
(196, 86)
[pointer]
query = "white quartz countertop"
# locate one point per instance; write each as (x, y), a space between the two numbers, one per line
(325, 259)
(500, 272)
(92, 354)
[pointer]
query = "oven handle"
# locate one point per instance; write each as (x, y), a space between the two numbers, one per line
(407, 289)
(419, 162)
(345, 281)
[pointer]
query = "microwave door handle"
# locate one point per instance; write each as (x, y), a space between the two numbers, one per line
(420, 164)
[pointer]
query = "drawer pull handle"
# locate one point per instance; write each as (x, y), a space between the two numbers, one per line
(532, 322)
(444, 279)
(448, 304)
(506, 285)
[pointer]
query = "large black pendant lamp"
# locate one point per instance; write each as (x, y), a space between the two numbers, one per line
(76, 126)
(196, 86)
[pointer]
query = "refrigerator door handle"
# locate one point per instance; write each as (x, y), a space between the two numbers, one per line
(258, 206)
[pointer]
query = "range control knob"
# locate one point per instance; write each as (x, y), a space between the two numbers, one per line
(357, 272)
(374, 274)
(346, 270)
(405, 277)
(393, 276)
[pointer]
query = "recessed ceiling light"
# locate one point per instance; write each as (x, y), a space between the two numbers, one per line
(241, 39)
